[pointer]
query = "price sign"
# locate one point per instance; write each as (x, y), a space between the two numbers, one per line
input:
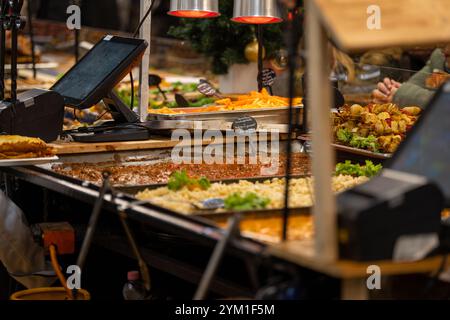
(244, 124)
(268, 77)
(206, 88)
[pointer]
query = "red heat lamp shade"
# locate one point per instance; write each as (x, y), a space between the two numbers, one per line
(193, 14)
(257, 20)
(194, 8)
(256, 11)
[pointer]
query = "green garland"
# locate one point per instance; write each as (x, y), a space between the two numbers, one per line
(224, 40)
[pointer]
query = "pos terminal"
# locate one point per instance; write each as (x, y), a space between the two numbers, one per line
(93, 78)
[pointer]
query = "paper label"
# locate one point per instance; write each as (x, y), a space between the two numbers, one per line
(411, 248)
(244, 124)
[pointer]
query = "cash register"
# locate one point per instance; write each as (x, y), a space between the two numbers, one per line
(36, 113)
(93, 79)
(397, 215)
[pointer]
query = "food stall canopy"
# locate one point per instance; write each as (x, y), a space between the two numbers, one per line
(367, 24)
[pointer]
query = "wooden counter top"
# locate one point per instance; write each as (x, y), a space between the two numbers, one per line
(302, 253)
(64, 148)
(67, 148)
(353, 275)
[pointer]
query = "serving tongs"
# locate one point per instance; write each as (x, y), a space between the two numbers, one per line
(207, 89)
(207, 205)
(155, 81)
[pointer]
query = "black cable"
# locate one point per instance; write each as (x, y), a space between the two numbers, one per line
(77, 35)
(101, 116)
(132, 91)
(135, 34)
(31, 31)
(14, 17)
(259, 35)
(4, 6)
(293, 41)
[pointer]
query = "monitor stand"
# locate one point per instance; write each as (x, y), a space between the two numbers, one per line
(125, 126)
(120, 112)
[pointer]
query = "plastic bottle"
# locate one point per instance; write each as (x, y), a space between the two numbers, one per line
(134, 288)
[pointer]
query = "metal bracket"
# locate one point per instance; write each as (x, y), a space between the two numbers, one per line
(231, 232)
(106, 186)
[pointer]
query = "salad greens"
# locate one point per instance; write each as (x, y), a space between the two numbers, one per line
(125, 96)
(356, 141)
(344, 136)
(180, 179)
(368, 170)
(249, 201)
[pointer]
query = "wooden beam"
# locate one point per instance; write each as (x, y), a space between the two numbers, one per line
(354, 289)
(145, 33)
(404, 23)
(323, 154)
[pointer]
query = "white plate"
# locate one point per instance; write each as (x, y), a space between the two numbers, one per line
(182, 79)
(26, 162)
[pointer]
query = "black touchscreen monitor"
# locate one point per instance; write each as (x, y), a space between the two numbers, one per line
(99, 71)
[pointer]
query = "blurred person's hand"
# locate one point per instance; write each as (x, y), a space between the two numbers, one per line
(385, 91)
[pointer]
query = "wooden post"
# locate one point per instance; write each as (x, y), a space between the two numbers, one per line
(323, 157)
(354, 289)
(145, 33)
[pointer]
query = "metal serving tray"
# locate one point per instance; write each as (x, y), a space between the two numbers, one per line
(267, 118)
(354, 151)
(362, 152)
(191, 227)
(128, 158)
(220, 216)
(147, 157)
(154, 156)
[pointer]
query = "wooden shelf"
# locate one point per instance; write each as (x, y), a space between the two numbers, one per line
(403, 23)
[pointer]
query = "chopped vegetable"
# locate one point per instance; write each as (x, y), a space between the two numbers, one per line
(180, 179)
(375, 127)
(356, 141)
(368, 170)
(249, 201)
(369, 143)
(344, 135)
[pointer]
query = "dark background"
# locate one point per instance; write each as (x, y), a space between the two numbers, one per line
(105, 14)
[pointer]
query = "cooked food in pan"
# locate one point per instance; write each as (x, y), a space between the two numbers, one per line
(253, 100)
(126, 174)
(19, 147)
(269, 229)
(256, 100)
(244, 194)
(376, 127)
